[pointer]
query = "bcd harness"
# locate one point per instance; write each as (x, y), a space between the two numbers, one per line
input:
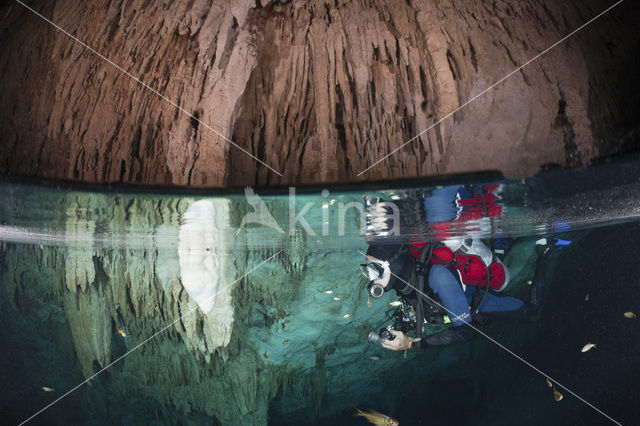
(425, 302)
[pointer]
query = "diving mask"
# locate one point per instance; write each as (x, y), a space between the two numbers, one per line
(375, 271)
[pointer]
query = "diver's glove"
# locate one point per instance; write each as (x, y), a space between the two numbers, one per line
(447, 337)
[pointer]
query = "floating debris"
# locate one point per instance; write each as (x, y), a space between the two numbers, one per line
(347, 315)
(286, 342)
(265, 356)
(47, 389)
(588, 347)
(549, 383)
(377, 418)
(335, 298)
(373, 358)
(122, 332)
(557, 395)
(586, 298)
(395, 303)
(630, 315)
(369, 301)
(328, 292)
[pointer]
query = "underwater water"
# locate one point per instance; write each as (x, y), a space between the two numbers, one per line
(129, 306)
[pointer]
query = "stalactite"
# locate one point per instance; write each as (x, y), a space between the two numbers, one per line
(316, 96)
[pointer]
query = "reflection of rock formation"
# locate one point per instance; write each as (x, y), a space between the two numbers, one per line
(289, 353)
(199, 260)
(137, 284)
(79, 261)
(319, 90)
(90, 324)
(205, 274)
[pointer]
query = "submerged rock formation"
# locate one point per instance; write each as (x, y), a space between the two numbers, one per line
(317, 90)
(133, 272)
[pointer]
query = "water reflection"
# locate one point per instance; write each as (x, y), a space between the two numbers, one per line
(515, 207)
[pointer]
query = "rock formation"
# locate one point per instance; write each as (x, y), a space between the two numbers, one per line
(123, 279)
(118, 290)
(132, 272)
(317, 90)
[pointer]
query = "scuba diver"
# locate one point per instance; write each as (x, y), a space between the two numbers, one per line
(463, 281)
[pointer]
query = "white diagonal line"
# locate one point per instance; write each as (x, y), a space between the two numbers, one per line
(506, 349)
(492, 86)
(145, 341)
(145, 85)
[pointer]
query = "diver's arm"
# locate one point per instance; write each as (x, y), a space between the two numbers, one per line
(447, 337)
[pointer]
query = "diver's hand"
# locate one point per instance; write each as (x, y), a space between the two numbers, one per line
(400, 343)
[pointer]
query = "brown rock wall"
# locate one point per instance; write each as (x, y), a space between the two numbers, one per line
(317, 90)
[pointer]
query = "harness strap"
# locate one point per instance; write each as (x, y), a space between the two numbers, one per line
(422, 300)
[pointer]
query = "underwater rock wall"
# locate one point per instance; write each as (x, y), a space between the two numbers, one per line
(286, 341)
(116, 294)
(318, 90)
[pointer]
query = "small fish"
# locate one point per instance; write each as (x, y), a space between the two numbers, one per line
(557, 395)
(630, 315)
(549, 383)
(373, 358)
(286, 342)
(335, 298)
(47, 389)
(377, 418)
(586, 298)
(347, 315)
(122, 332)
(529, 282)
(328, 292)
(396, 303)
(588, 347)
(265, 356)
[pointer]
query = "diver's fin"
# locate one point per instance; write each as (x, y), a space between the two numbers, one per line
(544, 246)
(560, 244)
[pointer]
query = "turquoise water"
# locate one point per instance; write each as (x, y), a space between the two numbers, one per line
(166, 308)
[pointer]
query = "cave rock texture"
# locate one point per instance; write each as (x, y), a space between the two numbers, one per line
(317, 90)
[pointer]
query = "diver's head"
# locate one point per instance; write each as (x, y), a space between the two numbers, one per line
(385, 269)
